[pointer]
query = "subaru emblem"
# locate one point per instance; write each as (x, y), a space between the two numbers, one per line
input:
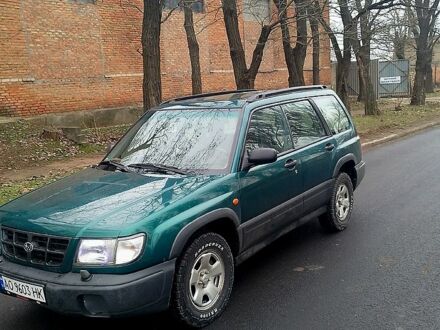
(28, 247)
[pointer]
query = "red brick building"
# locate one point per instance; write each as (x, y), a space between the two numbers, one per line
(69, 55)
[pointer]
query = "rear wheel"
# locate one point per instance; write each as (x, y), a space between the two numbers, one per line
(340, 205)
(203, 281)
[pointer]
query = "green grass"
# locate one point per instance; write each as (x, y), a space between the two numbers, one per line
(88, 148)
(435, 94)
(390, 120)
(9, 191)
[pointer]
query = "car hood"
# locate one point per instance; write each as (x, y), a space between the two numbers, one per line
(95, 200)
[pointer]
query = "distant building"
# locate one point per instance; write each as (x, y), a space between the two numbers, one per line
(69, 55)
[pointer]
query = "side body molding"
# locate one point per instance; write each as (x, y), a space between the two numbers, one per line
(187, 231)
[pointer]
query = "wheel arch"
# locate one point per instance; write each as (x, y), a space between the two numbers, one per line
(224, 222)
(347, 164)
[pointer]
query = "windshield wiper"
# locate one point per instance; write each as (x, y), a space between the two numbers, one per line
(159, 168)
(119, 166)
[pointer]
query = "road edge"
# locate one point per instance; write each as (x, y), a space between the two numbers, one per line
(399, 135)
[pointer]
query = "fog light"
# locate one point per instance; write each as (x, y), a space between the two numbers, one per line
(94, 305)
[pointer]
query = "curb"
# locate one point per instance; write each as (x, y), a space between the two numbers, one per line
(396, 136)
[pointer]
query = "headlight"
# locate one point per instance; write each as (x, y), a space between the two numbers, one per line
(110, 251)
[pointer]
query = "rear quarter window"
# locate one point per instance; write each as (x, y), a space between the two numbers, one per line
(333, 113)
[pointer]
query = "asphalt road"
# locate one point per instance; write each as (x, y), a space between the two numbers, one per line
(383, 272)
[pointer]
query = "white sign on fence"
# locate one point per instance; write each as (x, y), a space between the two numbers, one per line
(390, 80)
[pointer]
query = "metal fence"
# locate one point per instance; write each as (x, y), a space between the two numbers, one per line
(394, 78)
(390, 78)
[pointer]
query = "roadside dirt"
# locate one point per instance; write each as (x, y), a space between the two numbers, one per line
(400, 132)
(55, 167)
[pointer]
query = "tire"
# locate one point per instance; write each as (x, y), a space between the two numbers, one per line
(198, 297)
(340, 206)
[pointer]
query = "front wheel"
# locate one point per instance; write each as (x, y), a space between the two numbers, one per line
(203, 281)
(340, 205)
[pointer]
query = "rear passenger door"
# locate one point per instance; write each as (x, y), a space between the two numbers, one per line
(335, 117)
(315, 145)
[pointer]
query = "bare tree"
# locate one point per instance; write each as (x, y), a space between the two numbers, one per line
(294, 56)
(193, 47)
(425, 35)
(244, 76)
(399, 28)
(361, 43)
(355, 15)
(314, 27)
(152, 83)
(151, 30)
(342, 54)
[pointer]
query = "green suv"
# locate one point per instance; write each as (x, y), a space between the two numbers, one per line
(195, 187)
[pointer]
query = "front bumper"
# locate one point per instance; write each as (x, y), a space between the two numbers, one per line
(104, 295)
(360, 172)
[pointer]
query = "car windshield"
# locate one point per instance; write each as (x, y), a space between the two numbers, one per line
(191, 140)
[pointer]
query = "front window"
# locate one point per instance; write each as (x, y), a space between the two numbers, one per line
(191, 140)
(268, 129)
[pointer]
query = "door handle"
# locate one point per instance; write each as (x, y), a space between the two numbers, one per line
(290, 163)
(329, 146)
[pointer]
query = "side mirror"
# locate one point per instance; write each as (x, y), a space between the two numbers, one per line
(260, 156)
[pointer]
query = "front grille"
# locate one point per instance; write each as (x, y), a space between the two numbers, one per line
(46, 250)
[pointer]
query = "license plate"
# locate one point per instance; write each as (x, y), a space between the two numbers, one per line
(22, 289)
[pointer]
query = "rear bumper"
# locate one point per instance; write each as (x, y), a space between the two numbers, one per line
(360, 172)
(104, 295)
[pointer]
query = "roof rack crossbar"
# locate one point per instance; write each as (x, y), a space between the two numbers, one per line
(189, 97)
(266, 94)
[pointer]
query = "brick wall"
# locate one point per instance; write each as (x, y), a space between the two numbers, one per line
(67, 55)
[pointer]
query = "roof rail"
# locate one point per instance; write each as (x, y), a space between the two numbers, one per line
(272, 93)
(189, 97)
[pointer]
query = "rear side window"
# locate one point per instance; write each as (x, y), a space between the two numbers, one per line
(305, 125)
(268, 129)
(333, 113)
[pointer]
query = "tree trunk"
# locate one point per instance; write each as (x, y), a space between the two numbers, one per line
(343, 56)
(193, 47)
(299, 52)
(427, 14)
(257, 56)
(294, 56)
(429, 83)
(364, 54)
(244, 77)
(235, 45)
(370, 101)
(315, 52)
(342, 70)
(288, 56)
(418, 91)
(152, 85)
(361, 95)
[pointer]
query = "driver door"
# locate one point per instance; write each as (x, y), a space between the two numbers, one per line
(267, 192)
